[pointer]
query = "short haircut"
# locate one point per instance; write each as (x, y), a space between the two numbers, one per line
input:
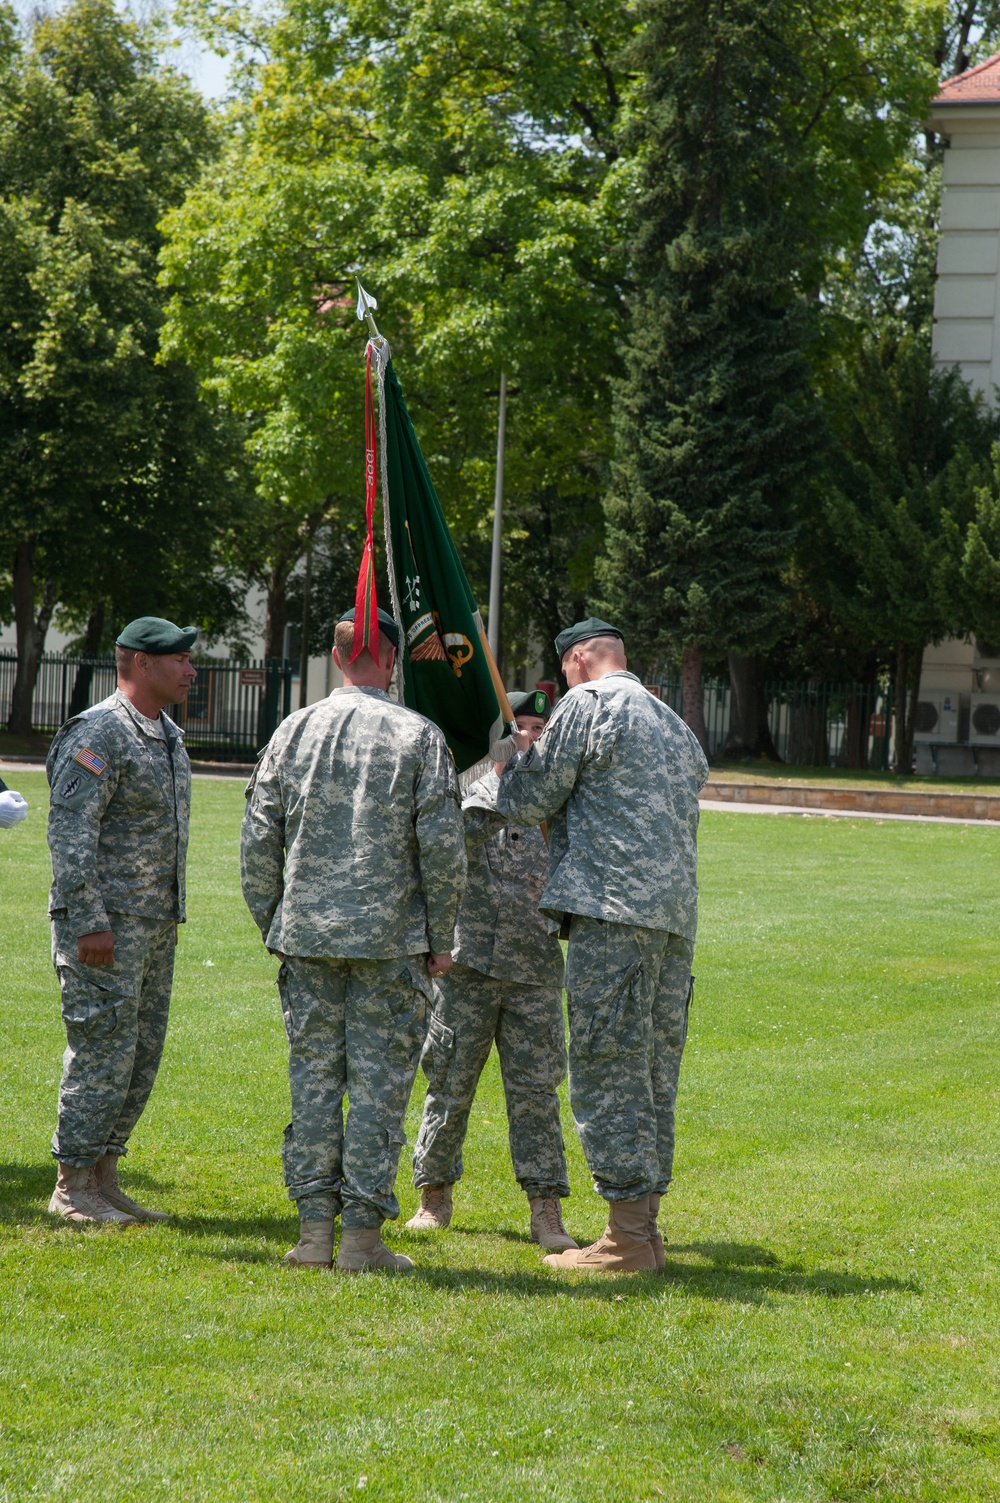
(124, 658)
(604, 644)
(343, 640)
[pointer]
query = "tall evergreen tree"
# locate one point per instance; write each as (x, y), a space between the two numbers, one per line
(712, 423)
(746, 105)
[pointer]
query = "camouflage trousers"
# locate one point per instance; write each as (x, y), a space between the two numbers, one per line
(629, 991)
(355, 1028)
(116, 1021)
(470, 1011)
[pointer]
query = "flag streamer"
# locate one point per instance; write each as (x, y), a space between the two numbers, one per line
(366, 633)
(380, 348)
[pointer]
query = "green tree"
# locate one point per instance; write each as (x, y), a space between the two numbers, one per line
(764, 134)
(464, 158)
(900, 544)
(883, 563)
(115, 480)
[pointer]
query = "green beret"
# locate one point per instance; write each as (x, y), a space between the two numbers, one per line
(583, 631)
(531, 702)
(385, 623)
(154, 635)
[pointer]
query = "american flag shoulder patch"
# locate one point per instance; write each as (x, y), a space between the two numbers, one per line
(91, 761)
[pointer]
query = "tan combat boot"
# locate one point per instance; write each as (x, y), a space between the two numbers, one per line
(624, 1248)
(314, 1248)
(77, 1197)
(435, 1210)
(655, 1240)
(106, 1174)
(361, 1248)
(547, 1225)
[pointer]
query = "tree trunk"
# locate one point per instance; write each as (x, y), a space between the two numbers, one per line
(80, 698)
(694, 697)
(809, 729)
(31, 630)
(749, 732)
(905, 692)
(269, 703)
(277, 609)
(858, 712)
(306, 625)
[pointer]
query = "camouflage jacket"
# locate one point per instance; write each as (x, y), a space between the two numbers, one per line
(617, 775)
(352, 838)
(500, 930)
(118, 816)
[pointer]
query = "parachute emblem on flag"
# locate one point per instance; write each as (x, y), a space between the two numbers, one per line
(459, 650)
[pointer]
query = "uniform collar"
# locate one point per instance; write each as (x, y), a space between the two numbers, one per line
(153, 728)
(368, 689)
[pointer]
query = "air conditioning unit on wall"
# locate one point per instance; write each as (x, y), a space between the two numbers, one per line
(984, 720)
(936, 718)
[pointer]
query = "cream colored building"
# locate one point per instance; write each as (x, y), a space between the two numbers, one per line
(960, 683)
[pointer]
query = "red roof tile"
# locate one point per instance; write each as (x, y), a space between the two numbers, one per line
(978, 85)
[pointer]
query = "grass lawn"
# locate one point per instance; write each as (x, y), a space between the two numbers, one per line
(828, 1326)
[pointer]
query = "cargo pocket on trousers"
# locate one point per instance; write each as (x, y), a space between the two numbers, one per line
(371, 1151)
(439, 1046)
(394, 1147)
(89, 1004)
(617, 1023)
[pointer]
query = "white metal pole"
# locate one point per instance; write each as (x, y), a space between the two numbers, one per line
(493, 627)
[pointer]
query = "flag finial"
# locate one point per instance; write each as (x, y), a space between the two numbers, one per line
(364, 310)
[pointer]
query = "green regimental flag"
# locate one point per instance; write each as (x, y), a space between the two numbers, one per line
(446, 672)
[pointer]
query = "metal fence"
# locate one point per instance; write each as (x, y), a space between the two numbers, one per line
(232, 709)
(812, 724)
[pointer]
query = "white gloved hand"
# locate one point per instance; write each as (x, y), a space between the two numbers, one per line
(502, 744)
(13, 808)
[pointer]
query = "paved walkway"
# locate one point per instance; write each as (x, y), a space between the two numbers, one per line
(837, 798)
(727, 807)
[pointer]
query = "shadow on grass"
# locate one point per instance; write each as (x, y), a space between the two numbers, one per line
(22, 1182)
(744, 1275)
(506, 1233)
(729, 1271)
(24, 1194)
(261, 1239)
(25, 1190)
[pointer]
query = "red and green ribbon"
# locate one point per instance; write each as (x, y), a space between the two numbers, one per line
(365, 604)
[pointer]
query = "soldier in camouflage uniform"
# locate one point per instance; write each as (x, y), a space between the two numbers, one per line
(353, 861)
(505, 985)
(118, 833)
(617, 774)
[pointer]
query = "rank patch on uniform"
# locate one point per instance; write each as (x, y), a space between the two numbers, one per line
(91, 761)
(71, 786)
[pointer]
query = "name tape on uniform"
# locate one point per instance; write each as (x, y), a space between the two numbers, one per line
(91, 761)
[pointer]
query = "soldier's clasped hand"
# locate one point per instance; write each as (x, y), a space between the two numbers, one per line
(96, 949)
